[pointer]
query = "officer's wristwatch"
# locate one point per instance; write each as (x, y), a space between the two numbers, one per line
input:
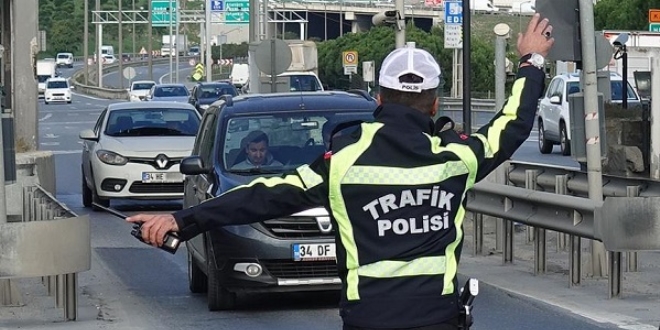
(534, 59)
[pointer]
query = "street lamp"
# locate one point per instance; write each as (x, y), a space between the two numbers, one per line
(170, 9)
(622, 53)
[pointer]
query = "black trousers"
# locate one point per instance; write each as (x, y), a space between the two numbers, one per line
(450, 325)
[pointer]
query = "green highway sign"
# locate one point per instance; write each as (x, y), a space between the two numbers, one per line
(160, 13)
(237, 12)
(654, 27)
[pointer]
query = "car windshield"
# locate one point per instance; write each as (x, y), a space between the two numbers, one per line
(62, 56)
(152, 122)
(171, 91)
(306, 83)
(140, 86)
(57, 84)
(293, 138)
(615, 86)
(215, 91)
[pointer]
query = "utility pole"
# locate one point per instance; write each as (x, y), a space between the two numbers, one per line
(99, 43)
(467, 94)
(592, 130)
(400, 32)
(121, 45)
(177, 42)
(86, 42)
(172, 13)
(502, 31)
(208, 67)
(655, 114)
(133, 27)
(150, 45)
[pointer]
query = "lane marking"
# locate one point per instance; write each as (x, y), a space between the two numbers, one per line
(48, 115)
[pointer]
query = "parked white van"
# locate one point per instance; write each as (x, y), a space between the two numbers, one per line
(483, 5)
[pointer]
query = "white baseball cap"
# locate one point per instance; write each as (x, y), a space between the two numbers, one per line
(409, 60)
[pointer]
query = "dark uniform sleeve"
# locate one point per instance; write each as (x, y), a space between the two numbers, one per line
(260, 200)
(496, 142)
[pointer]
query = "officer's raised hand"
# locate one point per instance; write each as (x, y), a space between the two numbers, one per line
(538, 37)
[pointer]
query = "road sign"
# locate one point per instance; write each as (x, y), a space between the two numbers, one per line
(453, 12)
(453, 36)
(654, 15)
(350, 69)
(368, 74)
(654, 27)
(143, 51)
(217, 5)
(163, 12)
(129, 72)
(90, 61)
(237, 12)
(350, 58)
(191, 62)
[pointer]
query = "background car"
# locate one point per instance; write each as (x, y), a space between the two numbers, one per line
(57, 89)
(139, 90)
(109, 59)
(554, 117)
(264, 256)
(64, 59)
(169, 92)
(134, 151)
(203, 94)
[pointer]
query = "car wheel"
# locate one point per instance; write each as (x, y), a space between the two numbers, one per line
(564, 142)
(86, 193)
(545, 146)
(45, 102)
(69, 102)
(196, 278)
(219, 298)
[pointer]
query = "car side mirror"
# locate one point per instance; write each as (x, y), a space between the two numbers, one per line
(193, 165)
(88, 135)
(555, 99)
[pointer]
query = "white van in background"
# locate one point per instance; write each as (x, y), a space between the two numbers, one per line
(45, 70)
(483, 5)
(303, 81)
(240, 74)
(64, 59)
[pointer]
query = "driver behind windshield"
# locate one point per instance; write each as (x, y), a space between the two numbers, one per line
(256, 151)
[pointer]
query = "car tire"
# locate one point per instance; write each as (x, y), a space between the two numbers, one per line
(197, 280)
(69, 102)
(45, 102)
(86, 193)
(564, 142)
(545, 146)
(219, 298)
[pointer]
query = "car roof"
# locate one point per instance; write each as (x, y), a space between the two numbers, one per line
(57, 79)
(212, 83)
(143, 82)
(150, 105)
(575, 76)
(171, 85)
(311, 101)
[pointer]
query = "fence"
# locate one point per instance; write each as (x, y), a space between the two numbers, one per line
(51, 242)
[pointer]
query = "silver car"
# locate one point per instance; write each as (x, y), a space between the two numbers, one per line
(134, 151)
(169, 92)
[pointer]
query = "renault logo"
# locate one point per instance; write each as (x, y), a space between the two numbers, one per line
(325, 225)
(161, 161)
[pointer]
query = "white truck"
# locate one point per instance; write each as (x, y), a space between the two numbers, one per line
(302, 73)
(46, 69)
(173, 44)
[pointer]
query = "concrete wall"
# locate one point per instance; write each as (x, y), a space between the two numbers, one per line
(32, 168)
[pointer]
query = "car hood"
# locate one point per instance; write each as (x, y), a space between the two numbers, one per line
(175, 146)
(57, 90)
(231, 181)
(183, 99)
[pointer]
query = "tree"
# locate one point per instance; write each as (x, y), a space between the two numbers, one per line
(623, 15)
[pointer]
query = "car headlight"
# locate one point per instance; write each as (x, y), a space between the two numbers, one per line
(111, 158)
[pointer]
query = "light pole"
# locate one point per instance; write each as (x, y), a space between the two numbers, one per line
(177, 41)
(86, 42)
(133, 27)
(341, 18)
(151, 44)
(172, 12)
(520, 14)
(622, 54)
(120, 36)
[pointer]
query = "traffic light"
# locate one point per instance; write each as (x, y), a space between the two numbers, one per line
(564, 16)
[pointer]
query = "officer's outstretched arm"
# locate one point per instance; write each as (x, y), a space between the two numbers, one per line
(260, 200)
(496, 142)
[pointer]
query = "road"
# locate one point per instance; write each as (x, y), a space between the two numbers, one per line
(112, 79)
(132, 285)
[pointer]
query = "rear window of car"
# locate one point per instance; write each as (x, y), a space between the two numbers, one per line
(171, 91)
(65, 56)
(152, 122)
(294, 138)
(140, 86)
(215, 91)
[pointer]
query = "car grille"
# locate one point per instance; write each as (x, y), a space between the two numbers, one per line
(301, 269)
(58, 94)
(138, 187)
(151, 161)
(296, 227)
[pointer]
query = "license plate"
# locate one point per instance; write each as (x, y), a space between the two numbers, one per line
(161, 177)
(314, 252)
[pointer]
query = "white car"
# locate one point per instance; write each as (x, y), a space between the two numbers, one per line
(57, 90)
(64, 59)
(109, 59)
(553, 113)
(139, 90)
(134, 151)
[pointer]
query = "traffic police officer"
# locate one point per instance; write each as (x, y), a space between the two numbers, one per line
(395, 190)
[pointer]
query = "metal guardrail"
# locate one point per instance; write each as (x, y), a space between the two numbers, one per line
(113, 93)
(51, 242)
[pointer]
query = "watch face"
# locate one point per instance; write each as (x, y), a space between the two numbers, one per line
(537, 59)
